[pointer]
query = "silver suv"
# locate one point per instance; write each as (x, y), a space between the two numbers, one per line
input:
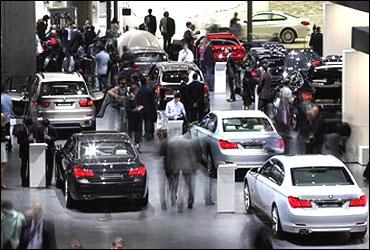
(64, 98)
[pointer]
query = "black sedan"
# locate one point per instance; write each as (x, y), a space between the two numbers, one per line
(99, 165)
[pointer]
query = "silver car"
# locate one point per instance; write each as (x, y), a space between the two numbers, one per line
(64, 98)
(307, 193)
(244, 137)
(272, 24)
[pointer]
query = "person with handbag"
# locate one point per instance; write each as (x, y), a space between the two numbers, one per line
(12, 225)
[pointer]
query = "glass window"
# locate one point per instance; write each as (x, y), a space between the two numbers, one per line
(104, 149)
(176, 76)
(261, 17)
(265, 169)
(320, 176)
(276, 17)
(63, 88)
(277, 173)
(212, 124)
(246, 124)
(149, 57)
(223, 42)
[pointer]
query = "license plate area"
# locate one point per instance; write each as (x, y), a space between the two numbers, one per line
(326, 204)
(64, 104)
(252, 146)
(111, 176)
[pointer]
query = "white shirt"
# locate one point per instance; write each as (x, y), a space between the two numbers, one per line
(286, 92)
(102, 61)
(186, 55)
(174, 110)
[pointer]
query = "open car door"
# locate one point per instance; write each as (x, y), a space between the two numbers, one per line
(97, 95)
(19, 89)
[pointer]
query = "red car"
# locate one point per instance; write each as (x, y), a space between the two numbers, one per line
(219, 42)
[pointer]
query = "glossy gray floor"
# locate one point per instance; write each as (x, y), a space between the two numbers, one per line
(98, 223)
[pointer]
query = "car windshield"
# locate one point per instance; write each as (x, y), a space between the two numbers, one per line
(223, 42)
(176, 76)
(320, 176)
(63, 88)
(111, 149)
(331, 75)
(246, 124)
(298, 60)
(149, 57)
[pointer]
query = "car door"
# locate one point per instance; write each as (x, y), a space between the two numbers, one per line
(97, 96)
(261, 28)
(277, 23)
(210, 138)
(67, 155)
(19, 88)
(272, 185)
(197, 133)
(261, 188)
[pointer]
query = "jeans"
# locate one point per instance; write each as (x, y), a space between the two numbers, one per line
(103, 80)
(173, 182)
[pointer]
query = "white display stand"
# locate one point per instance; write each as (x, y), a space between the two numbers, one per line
(220, 78)
(226, 188)
(174, 128)
(37, 165)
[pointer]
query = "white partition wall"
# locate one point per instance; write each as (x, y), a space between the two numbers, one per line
(356, 102)
(338, 23)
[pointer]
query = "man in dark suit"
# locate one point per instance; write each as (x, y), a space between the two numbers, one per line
(47, 134)
(231, 73)
(196, 99)
(134, 114)
(25, 135)
(152, 22)
(39, 232)
(146, 98)
(264, 87)
(167, 28)
(188, 37)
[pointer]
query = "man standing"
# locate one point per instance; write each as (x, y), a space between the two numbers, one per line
(313, 131)
(196, 99)
(146, 97)
(175, 110)
(317, 41)
(167, 28)
(7, 110)
(134, 118)
(102, 62)
(47, 134)
(231, 73)
(185, 55)
(209, 65)
(264, 87)
(25, 136)
(152, 22)
(41, 27)
(188, 36)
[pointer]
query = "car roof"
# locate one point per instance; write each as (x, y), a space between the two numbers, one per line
(59, 76)
(239, 113)
(270, 12)
(173, 65)
(138, 49)
(106, 135)
(297, 161)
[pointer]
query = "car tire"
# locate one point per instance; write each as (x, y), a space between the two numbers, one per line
(212, 171)
(288, 35)
(275, 223)
(70, 202)
(247, 199)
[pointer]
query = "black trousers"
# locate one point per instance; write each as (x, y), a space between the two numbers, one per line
(263, 105)
(148, 125)
(166, 42)
(173, 182)
(49, 166)
(195, 114)
(25, 171)
(232, 87)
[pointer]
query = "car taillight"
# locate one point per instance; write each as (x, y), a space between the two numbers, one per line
(360, 202)
(44, 104)
(227, 145)
(305, 23)
(315, 63)
(81, 173)
(86, 103)
(205, 89)
(297, 203)
(137, 172)
(254, 73)
(281, 144)
(306, 96)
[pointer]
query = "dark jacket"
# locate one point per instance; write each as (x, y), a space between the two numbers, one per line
(264, 85)
(171, 27)
(188, 39)
(195, 93)
(134, 117)
(53, 66)
(317, 42)
(152, 23)
(22, 138)
(51, 132)
(48, 235)
(314, 131)
(230, 67)
(208, 57)
(146, 98)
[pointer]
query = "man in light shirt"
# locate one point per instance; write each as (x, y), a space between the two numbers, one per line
(175, 110)
(102, 63)
(185, 55)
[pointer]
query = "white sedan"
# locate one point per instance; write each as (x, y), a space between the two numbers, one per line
(307, 193)
(272, 24)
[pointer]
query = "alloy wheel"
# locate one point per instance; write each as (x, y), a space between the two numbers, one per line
(275, 221)
(288, 36)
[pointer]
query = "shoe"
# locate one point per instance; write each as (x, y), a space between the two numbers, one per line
(210, 203)
(190, 206)
(230, 100)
